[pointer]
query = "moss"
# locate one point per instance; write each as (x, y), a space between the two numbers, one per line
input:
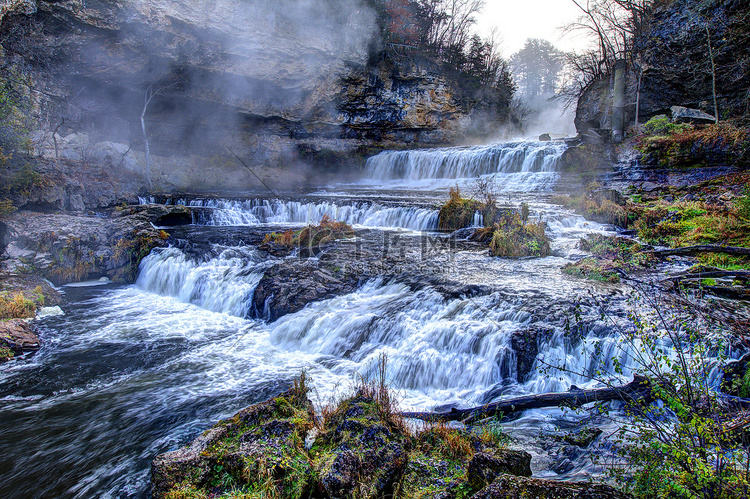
(672, 145)
(363, 449)
(6, 353)
(128, 252)
(685, 223)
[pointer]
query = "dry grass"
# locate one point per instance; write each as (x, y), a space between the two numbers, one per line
(16, 307)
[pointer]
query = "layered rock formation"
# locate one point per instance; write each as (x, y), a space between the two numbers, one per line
(69, 248)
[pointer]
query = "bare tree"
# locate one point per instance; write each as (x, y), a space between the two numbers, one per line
(148, 96)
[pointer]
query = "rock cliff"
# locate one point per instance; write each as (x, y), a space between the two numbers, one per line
(283, 84)
(676, 64)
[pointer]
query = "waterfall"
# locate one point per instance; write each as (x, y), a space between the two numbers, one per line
(466, 162)
(221, 284)
(226, 212)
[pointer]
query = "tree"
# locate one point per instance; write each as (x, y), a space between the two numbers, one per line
(148, 95)
(537, 68)
(614, 26)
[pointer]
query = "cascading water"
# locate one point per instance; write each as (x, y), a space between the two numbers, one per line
(468, 162)
(133, 371)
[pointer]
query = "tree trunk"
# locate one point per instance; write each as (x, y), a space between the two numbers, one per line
(636, 391)
(713, 73)
(147, 99)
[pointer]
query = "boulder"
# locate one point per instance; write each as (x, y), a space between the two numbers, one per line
(253, 446)
(67, 248)
(286, 288)
(484, 468)
(686, 115)
(516, 487)
(525, 344)
(545, 137)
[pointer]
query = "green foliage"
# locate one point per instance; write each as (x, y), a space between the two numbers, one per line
(611, 255)
(661, 125)
(6, 353)
(744, 388)
(15, 107)
(6, 207)
(683, 448)
(684, 223)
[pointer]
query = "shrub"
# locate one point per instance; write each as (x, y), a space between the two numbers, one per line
(690, 445)
(326, 231)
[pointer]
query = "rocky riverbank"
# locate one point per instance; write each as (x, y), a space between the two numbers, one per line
(68, 248)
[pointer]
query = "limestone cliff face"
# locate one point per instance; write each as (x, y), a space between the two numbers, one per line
(283, 83)
(677, 65)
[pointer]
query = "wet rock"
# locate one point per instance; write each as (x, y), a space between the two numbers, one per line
(525, 345)
(484, 468)
(686, 115)
(286, 288)
(17, 337)
(516, 487)
(545, 137)
(583, 438)
(34, 288)
(343, 476)
(369, 451)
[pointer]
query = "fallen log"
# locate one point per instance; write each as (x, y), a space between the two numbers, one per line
(701, 248)
(718, 274)
(638, 390)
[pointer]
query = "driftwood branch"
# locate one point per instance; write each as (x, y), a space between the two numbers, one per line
(637, 390)
(701, 248)
(713, 274)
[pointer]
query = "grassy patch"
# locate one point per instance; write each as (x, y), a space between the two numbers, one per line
(611, 256)
(601, 206)
(512, 237)
(672, 145)
(685, 223)
(459, 212)
(313, 235)
(17, 306)
(362, 448)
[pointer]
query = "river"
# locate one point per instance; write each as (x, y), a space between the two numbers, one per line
(132, 371)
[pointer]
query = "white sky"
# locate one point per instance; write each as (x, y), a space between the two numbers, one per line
(518, 20)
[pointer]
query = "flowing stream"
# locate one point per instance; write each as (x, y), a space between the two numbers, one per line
(132, 371)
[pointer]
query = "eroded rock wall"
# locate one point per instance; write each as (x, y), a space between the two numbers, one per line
(284, 84)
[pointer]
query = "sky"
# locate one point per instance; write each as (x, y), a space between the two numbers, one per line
(518, 20)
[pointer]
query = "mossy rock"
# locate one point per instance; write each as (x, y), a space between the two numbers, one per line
(515, 487)
(260, 450)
